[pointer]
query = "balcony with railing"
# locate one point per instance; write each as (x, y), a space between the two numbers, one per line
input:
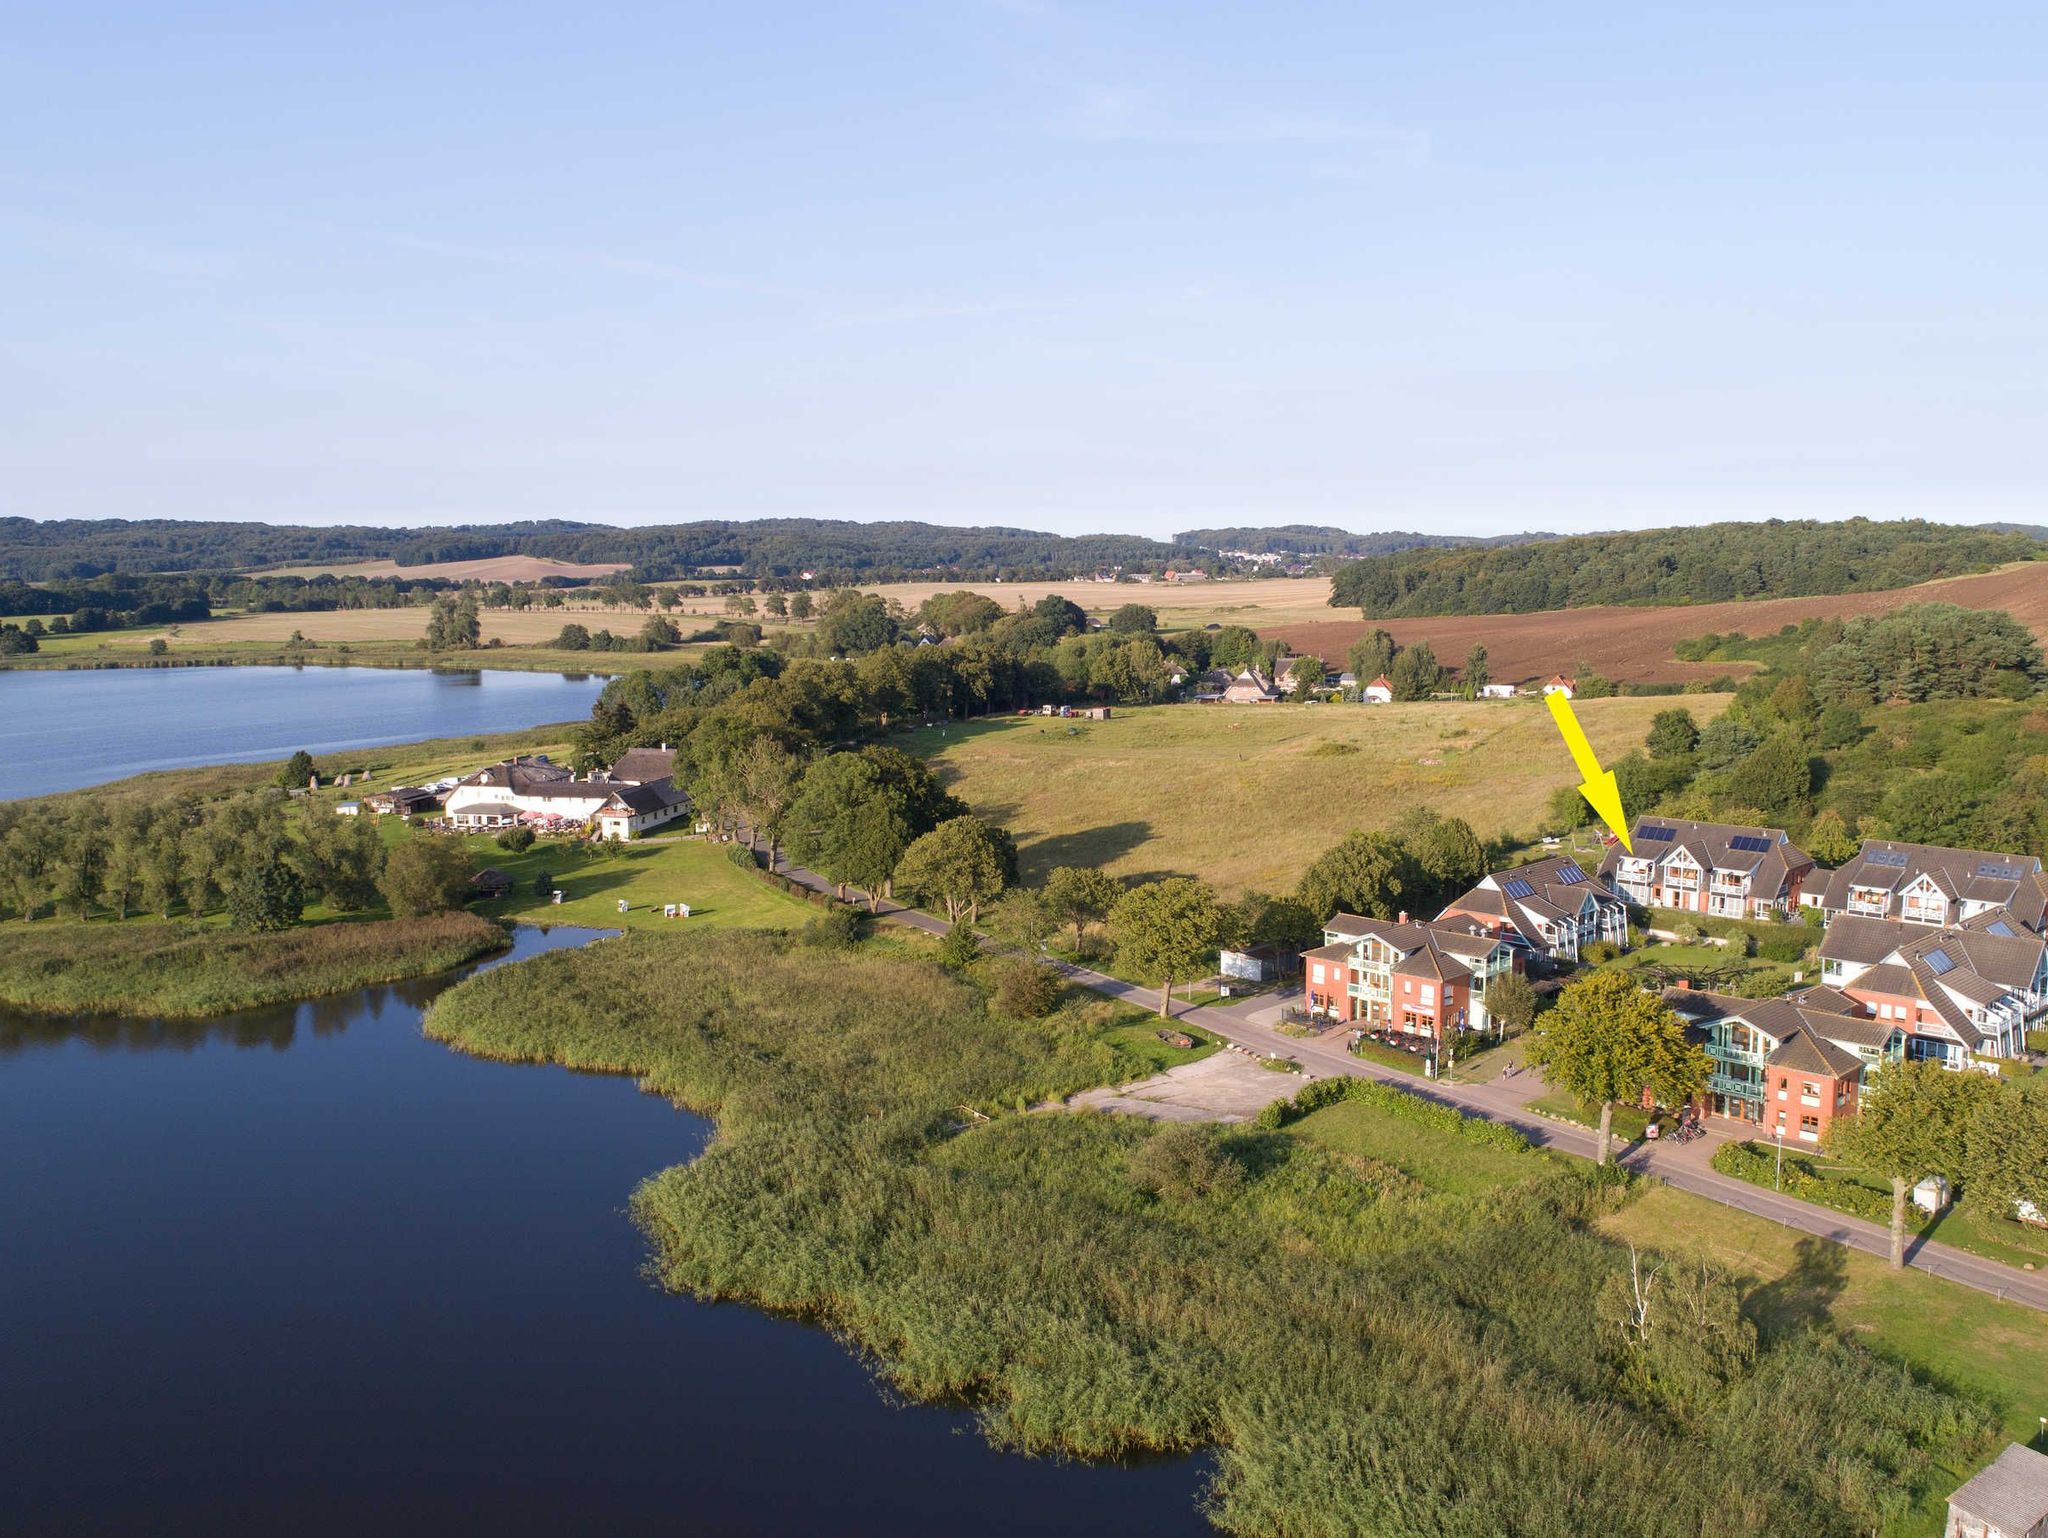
(1729, 1084)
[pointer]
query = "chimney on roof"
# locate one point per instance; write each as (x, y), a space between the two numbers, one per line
(1684, 985)
(1403, 918)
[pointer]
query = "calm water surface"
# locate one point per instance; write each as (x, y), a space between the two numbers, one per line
(63, 730)
(303, 1271)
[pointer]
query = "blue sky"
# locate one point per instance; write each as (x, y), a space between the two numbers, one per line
(1083, 267)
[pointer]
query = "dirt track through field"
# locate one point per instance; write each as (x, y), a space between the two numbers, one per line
(1635, 645)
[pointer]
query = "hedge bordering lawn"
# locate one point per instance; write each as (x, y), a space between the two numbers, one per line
(1395, 1102)
(1756, 1163)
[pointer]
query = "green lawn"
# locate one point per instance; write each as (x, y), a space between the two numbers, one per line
(595, 878)
(1628, 1120)
(1706, 966)
(1946, 1333)
(1140, 1039)
(1454, 1165)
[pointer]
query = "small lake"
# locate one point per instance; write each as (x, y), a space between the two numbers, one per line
(64, 730)
(303, 1271)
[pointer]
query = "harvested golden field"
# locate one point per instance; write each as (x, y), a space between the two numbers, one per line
(1246, 795)
(1262, 603)
(1632, 644)
(497, 568)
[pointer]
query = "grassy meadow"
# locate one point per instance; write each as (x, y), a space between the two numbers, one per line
(1378, 1328)
(1245, 796)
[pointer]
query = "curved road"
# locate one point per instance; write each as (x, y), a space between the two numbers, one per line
(1684, 1165)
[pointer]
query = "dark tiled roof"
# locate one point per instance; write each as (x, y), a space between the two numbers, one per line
(1804, 1052)
(1712, 846)
(640, 765)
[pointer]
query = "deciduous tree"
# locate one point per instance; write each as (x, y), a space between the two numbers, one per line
(1166, 929)
(1607, 1041)
(1360, 875)
(958, 863)
(1913, 1121)
(1081, 895)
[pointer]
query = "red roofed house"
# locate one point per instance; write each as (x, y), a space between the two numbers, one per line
(1425, 979)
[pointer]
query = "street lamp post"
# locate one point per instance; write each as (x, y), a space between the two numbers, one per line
(1778, 1178)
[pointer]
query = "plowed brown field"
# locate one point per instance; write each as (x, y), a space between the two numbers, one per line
(1635, 645)
(497, 568)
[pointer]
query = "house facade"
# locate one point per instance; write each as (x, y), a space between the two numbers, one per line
(1496, 691)
(1708, 867)
(1378, 692)
(1931, 884)
(1251, 687)
(1965, 996)
(1549, 907)
(1559, 684)
(1786, 1067)
(1426, 979)
(636, 794)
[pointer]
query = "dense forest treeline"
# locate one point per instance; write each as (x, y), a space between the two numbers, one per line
(1712, 563)
(1311, 539)
(31, 551)
(770, 547)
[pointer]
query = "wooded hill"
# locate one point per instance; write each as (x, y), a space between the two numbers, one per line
(836, 551)
(1711, 563)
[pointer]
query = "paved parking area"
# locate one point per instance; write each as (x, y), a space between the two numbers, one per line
(1226, 1086)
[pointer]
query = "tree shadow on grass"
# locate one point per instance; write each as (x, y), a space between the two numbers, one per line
(1804, 1296)
(1089, 846)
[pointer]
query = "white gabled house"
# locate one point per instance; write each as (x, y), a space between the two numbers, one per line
(1551, 907)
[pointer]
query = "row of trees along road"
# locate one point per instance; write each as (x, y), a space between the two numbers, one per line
(1987, 1137)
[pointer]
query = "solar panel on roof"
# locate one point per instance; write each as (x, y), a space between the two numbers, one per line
(1941, 962)
(1894, 859)
(1661, 835)
(1520, 888)
(1571, 875)
(2000, 927)
(1998, 870)
(1749, 843)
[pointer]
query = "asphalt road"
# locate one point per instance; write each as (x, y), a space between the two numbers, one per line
(1684, 1165)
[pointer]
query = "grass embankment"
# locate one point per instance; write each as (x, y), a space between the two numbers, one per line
(1862, 1194)
(1967, 1341)
(1376, 1340)
(146, 967)
(595, 878)
(1239, 794)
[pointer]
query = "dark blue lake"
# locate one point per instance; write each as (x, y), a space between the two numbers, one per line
(303, 1271)
(63, 730)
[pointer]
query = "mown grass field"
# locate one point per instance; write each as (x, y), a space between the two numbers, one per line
(595, 879)
(385, 637)
(1458, 1166)
(1245, 796)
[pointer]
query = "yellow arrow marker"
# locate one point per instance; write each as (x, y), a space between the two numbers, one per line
(1600, 791)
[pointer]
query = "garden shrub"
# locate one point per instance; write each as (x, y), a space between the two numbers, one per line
(740, 857)
(1757, 1164)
